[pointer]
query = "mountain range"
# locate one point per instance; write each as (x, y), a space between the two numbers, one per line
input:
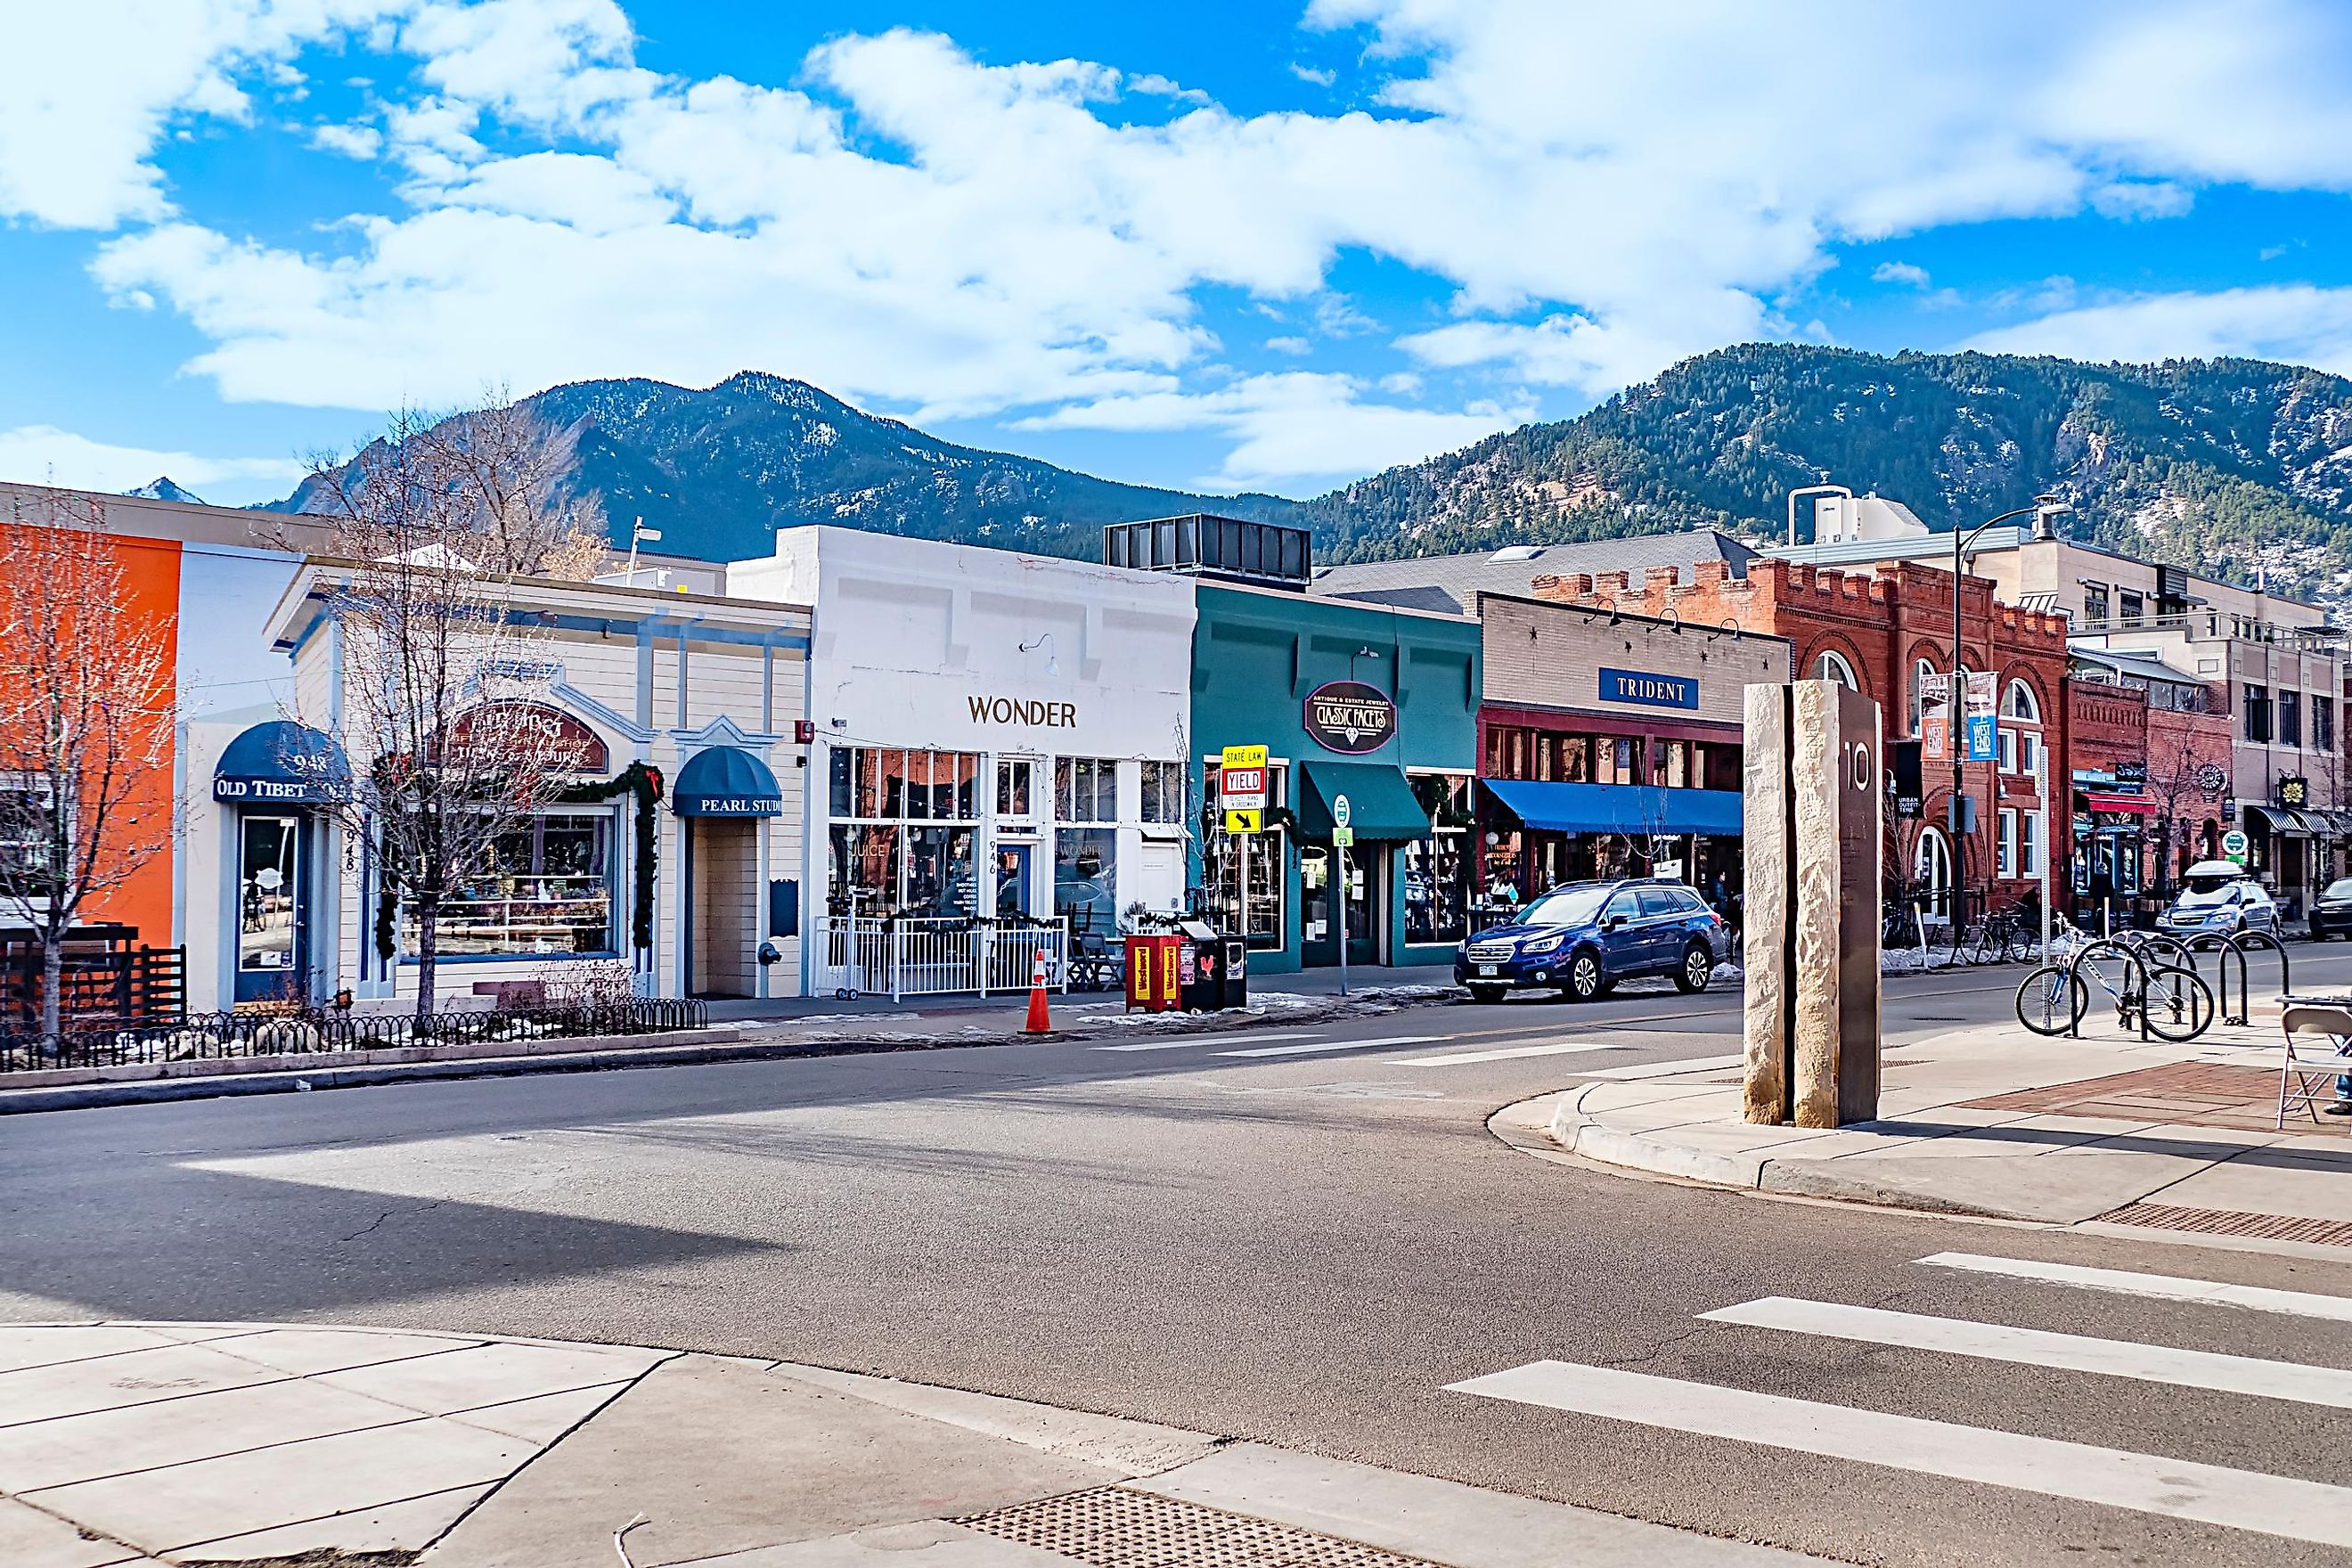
(2238, 467)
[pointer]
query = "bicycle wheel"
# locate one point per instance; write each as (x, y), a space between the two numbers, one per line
(2052, 1000)
(2178, 1005)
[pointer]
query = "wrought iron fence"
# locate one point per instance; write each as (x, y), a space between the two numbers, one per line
(90, 1043)
(933, 955)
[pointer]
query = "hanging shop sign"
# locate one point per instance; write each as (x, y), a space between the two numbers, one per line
(1649, 691)
(2295, 791)
(1350, 718)
(1935, 716)
(1984, 726)
(2211, 781)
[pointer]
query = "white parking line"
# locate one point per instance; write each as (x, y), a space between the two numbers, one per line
(1313, 1046)
(1200, 1039)
(1510, 1053)
(2325, 1385)
(2163, 1287)
(2144, 1483)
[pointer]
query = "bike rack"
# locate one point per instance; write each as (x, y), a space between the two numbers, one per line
(2138, 993)
(2226, 952)
(2245, 942)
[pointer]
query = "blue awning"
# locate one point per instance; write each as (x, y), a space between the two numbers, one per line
(725, 781)
(281, 763)
(1639, 809)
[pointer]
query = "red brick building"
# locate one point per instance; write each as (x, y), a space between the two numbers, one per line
(1879, 632)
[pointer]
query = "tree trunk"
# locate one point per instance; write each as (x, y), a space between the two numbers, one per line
(53, 968)
(428, 917)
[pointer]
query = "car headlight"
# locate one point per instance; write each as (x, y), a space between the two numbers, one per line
(1542, 944)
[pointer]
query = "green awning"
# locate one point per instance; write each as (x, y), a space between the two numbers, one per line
(1380, 803)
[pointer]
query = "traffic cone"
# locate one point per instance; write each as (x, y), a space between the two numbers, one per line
(1039, 1022)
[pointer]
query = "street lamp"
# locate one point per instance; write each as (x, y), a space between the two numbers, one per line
(2043, 509)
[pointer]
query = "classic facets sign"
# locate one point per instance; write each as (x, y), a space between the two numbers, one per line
(1652, 690)
(1350, 718)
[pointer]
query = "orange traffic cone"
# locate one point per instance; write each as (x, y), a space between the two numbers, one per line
(1039, 1022)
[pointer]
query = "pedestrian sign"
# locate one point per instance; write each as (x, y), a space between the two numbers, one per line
(1244, 822)
(1341, 838)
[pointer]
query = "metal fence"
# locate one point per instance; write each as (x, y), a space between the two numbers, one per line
(933, 955)
(211, 1036)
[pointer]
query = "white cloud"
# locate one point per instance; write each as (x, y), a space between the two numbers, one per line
(1290, 345)
(2298, 323)
(1575, 351)
(43, 454)
(1315, 76)
(1902, 272)
(361, 141)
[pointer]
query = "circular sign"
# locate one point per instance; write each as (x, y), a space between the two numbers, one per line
(1349, 717)
(1339, 811)
(2234, 843)
(269, 878)
(2210, 780)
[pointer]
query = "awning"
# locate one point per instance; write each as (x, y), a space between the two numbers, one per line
(726, 781)
(2135, 805)
(1380, 803)
(1639, 809)
(281, 763)
(2279, 820)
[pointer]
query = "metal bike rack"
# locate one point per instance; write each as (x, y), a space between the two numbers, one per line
(2246, 941)
(2226, 952)
(2102, 946)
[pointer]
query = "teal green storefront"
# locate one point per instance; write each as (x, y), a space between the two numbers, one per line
(1377, 705)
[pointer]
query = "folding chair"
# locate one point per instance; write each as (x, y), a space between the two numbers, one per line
(2299, 1075)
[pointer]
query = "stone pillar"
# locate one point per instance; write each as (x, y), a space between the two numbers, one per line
(1815, 799)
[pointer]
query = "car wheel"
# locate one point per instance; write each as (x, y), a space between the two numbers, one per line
(1697, 969)
(1585, 982)
(1486, 994)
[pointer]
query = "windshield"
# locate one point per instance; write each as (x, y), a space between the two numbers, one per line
(2205, 892)
(2339, 888)
(1568, 907)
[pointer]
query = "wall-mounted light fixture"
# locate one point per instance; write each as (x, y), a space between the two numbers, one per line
(1052, 651)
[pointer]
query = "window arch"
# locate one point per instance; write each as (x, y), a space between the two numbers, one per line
(1931, 874)
(1920, 670)
(1832, 666)
(2020, 703)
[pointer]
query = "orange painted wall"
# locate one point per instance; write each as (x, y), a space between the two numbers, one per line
(151, 582)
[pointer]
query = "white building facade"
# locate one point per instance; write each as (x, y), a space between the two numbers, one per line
(1000, 739)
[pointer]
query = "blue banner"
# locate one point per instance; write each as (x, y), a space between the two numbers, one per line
(1652, 690)
(1984, 738)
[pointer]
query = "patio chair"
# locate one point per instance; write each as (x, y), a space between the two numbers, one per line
(2298, 1075)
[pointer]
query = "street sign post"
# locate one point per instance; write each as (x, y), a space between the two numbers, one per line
(1343, 835)
(1242, 791)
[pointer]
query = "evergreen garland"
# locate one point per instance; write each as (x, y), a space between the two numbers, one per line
(646, 783)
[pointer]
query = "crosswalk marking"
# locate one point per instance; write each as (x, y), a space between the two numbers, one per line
(2164, 1287)
(2146, 1483)
(1204, 1038)
(1510, 1053)
(2325, 1385)
(1665, 1069)
(1312, 1045)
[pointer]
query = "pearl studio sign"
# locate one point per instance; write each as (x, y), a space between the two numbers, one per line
(1350, 718)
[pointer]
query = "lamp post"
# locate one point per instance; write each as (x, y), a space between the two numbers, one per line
(2043, 509)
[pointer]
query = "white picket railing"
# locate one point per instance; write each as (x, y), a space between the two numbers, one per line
(932, 956)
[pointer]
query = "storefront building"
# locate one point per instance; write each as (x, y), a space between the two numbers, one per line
(2149, 756)
(673, 854)
(1373, 704)
(1610, 746)
(998, 737)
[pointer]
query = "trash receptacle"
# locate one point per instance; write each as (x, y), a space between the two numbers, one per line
(1154, 964)
(1202, 967)
(1236, 971)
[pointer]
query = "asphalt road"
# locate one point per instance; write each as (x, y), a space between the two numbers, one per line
(1304, 1248)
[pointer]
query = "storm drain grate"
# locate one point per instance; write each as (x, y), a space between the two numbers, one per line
(1112, 1527)
(2234, 1221)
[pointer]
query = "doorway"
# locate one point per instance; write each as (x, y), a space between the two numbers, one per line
(1012, 881)
(1366, 907)
(722, 939)
(271, 942)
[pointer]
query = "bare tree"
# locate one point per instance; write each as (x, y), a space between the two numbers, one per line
(87, 714)
(449, 755)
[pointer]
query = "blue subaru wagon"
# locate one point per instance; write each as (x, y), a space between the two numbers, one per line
(1585, 937)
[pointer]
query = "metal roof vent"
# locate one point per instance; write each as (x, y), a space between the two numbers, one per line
(1516, 552)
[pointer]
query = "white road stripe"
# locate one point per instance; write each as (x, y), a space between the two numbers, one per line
(1512, 1053)
(1666, 1070)
(2325, 1385)
(1203, 1039)
(2146, 1483)
(2164, 1287)
(1314, 1045)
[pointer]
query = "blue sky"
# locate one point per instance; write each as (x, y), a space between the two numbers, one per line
(1220, 246)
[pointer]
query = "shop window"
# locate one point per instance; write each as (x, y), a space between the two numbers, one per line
(1670, 763)
(1617, 760)
(1085, 789)
(1221, 866)
(2258, 715)
(543, 886)
(2290, 719)
(907, 846)
(27, 834)
(1085, 878)
(2029, 843)
(1163, 792)
(1437, 869)
(2323, 723)
(2094, 603)
(1013, 782)
(2005, 854)
(941, 876)
(2134, 606)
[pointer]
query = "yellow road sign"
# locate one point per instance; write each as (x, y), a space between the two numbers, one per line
(1245, 821)
(1244, 757)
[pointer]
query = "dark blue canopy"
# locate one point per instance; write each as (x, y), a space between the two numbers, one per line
(726, 781)
(281, 763)
(1619, 808)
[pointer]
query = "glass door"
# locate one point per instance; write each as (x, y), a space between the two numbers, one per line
(269, 936)
(1320, 908)
(1012, 881)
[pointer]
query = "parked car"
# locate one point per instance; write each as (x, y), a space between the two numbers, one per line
(2332, 915)
(1585, 937)
(2219, 899)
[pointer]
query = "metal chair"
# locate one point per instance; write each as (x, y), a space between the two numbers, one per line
(2297, 1075)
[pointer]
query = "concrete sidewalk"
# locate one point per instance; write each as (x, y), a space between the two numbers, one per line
(308, 1447)
(2102, 1131)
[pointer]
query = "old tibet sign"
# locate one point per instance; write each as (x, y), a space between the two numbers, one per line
(1350, 718)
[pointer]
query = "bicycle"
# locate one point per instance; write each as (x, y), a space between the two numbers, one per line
(2168, 1002)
